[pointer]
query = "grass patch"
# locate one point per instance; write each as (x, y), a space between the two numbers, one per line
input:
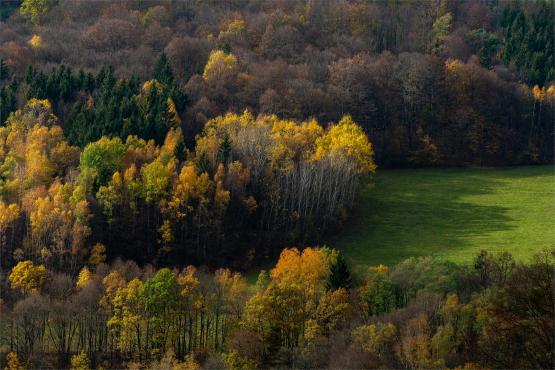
(451, 214)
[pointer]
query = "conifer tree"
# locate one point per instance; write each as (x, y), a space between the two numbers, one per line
(3, 70)
(339, 277)
(224, 150)
(163, 71)
(202, 162)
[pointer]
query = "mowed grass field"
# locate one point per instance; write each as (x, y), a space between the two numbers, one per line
(451, 214)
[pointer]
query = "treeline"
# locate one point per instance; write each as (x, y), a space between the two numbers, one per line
(249, 186)
(431, 83)
(309, 311)
(93, 105)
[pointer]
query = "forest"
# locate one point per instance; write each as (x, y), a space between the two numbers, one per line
(155, 154)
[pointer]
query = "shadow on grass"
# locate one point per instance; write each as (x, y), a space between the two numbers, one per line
(424, 212)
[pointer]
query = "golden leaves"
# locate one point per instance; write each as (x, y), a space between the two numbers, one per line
(219, 65)
(84, 278)
(308, 268)
(8, 214)
(28, 277)
(347, 139)
(35, 41)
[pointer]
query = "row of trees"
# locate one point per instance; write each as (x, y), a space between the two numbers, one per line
(249, 185)
(311, 310)
(402, 102)
(291, 30)
(431, 83)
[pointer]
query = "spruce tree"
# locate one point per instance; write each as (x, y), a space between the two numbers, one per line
(3, 70)
(163, 71)
(224, 150)
(339, 277)
(89, 83)
(202, 162)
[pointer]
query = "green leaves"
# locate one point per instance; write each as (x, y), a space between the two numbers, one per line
(34, 10)
(104, 157)
(440, 31)
(157, 180)
(159, 293)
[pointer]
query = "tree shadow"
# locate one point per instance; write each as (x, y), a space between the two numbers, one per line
(426, 212)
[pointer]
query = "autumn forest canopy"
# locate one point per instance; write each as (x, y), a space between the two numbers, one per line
(153, 152)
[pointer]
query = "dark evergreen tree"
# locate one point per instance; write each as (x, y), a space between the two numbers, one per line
(224, 150)
(530, 41)
(133, 122)
(340, 276)
(89, 83)
(8, 101)
(77, 125)
(202, 162)
(163, 71)
(3, 70)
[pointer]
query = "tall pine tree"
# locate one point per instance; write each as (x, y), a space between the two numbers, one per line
(340, 276)
(163, 71)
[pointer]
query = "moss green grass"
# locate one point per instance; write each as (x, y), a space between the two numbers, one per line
(451, 214)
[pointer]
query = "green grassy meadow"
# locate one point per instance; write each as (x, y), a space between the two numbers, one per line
(451, 214)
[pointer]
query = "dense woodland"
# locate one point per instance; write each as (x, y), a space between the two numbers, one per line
(309, 311)
(140, 137)
(431, 82)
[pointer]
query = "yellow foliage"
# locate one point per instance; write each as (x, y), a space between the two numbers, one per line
(174, 137)
(112, 282)
(234, 27)
(35, 41)
(127, 308)
(37, 146)
(221, 196)
(59, 220)
(187, 281)
(172, 110)
(80, 362)
(380, 269)
(98, 254)
(415, 346)
(188, 364)
(333, 308)
(232, 289)
(13, 362)
(189, 186)
(293, 141)
(165, 231)
(27, 277)
(541, 93)
(375, 338)
(90, 102)
(471, 366)
(347, 140)
(84, 277)
(309, 269)
(8, 214)
(285, 142)
(47, 152)
(453, 65)
(234, 361)
(219, 65)
(35, 103)
(150, 84)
